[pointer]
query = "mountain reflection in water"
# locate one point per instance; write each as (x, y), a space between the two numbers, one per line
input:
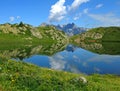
(101, 58)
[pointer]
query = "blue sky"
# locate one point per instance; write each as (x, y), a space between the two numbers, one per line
(84, 13)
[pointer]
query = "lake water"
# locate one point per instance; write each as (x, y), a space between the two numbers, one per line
(87, 59)
(84, 58)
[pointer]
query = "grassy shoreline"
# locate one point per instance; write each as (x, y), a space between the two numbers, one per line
(20, 76)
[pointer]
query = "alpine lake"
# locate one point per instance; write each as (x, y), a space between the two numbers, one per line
(101, 58)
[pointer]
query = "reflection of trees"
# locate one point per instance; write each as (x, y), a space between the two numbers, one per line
(112, 48)
(27, 51)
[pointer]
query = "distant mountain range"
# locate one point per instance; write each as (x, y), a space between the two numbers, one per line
(70, 29)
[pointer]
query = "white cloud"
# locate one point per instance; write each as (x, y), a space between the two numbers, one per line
(104, 58)
(18, 17)
(12, 18)
(85, 10)
(99, 6)
(77, 16)
(73, 68)
(75, 57)
(106, 19)
(59, 56)
(58, 11)
(57, 64)
(76, 4)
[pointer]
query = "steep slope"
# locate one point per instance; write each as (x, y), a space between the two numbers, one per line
(50, 32)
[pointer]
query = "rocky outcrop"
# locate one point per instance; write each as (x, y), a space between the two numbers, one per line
(91, 36)
(40, 32)
(69, 29)
(50, 32)
(7, 28)
(35, 32)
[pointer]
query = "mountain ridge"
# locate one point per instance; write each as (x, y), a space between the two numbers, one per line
(69, 29)
(25, 34)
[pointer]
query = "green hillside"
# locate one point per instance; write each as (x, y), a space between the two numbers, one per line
(101, 34)
(20, 76)
(23, 40)
(25, 33)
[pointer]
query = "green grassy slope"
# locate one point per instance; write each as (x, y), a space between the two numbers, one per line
(108, 33)
(112, 34)
(19, 38)
(101, 34)
(19, 76)
(21, 32)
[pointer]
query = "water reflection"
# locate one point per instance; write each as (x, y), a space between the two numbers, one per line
(25, 51)
(111, 48)
(79, 60)
(103, 58)
(70, 48)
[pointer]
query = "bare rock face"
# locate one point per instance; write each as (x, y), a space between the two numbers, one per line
(36, 33)
(91, 35)
(6, 28)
